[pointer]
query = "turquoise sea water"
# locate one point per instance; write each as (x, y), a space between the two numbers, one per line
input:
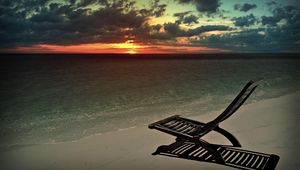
(58, 98)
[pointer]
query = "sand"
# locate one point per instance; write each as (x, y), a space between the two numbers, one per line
(269, 126)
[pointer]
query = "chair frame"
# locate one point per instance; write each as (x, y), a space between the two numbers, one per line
(191, 131)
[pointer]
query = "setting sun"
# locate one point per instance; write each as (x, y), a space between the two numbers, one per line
(131, 52)
(129, 45)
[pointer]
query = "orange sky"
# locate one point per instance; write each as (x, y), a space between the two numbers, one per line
(128, 47)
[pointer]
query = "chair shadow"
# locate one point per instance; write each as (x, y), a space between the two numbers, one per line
(219, 154)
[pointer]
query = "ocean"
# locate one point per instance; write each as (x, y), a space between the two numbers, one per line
(61, 98)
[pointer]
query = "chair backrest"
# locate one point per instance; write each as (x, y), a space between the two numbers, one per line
(238, 101)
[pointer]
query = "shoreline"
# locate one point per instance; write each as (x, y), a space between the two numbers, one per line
(216, 112)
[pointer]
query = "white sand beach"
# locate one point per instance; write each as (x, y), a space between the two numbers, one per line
(270, 126)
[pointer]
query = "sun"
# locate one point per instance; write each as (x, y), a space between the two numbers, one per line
(129, 45)
(131, 52)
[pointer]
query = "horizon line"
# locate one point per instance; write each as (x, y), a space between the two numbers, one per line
(208, 53)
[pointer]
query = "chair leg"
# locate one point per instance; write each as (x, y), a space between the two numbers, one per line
(229, 136)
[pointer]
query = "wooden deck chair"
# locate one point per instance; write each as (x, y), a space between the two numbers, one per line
(189, 144)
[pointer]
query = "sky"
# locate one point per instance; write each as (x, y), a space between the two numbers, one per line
(149, 26)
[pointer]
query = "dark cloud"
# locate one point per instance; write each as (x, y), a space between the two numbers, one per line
(84, 3)
(234, 41)
(207, 28)
(25, 23)
(244, 7)
(244, 21)
(289, 14)
(71, 1)
(280, 33)
(206, 6)
(270, 20)
(156, 9)
(174, 30)
(190, 20)
(287, 34)
(209, 6)
(23, 5)
(273, 38)
(271, 3)
(183, 18)
(185, 1)
(181, 15)
(257, 40)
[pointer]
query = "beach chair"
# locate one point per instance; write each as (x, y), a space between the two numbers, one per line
(190, 145)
